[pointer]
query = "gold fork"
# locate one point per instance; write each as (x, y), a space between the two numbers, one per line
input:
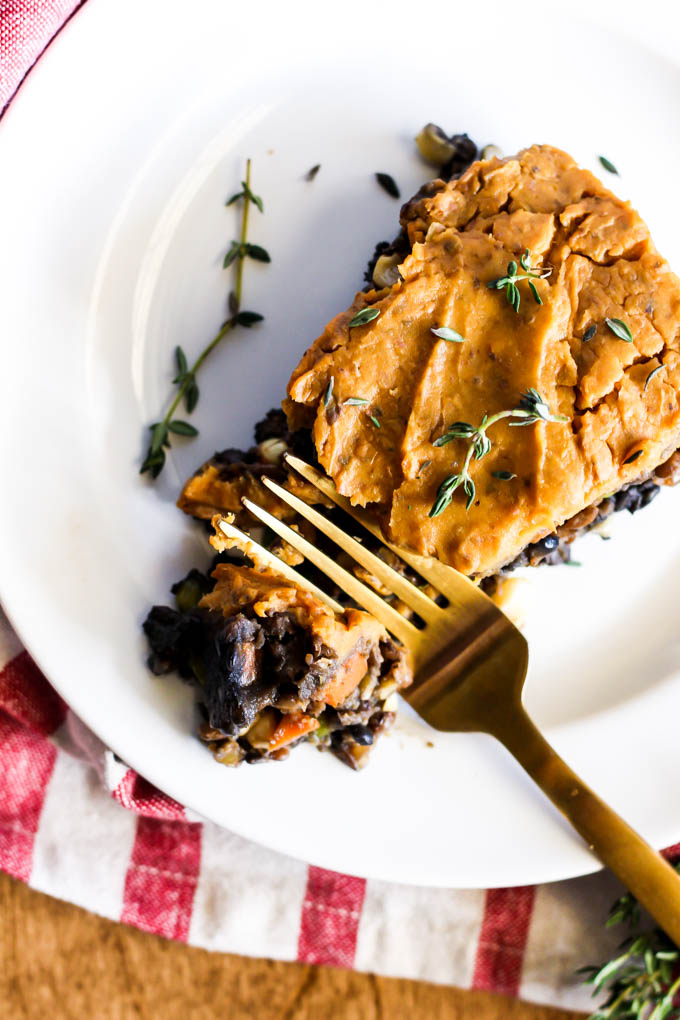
(470, 662)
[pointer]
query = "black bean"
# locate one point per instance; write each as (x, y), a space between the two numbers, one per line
(360, 734)
(255, 757)
(546, 545)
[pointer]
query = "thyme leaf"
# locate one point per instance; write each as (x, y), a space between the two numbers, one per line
(355, 402)
(257, 252)
(388, 184)
(328, 396)
(248, 319)
(537, 297)
(608, 165)
(651, 376)
(446, 333)
(182, 428)
(233, 253)
(364, 316)
(312, 172)
(589, 334)
(191, 394)
(504, 476)
(159, 435)
(620, 329)
(182, 366)
(532, 408)
(185, 379)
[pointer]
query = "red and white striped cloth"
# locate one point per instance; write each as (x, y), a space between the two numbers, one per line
(78, 824)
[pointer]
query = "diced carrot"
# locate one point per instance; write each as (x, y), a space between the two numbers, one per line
(290, 728)
(345, 680)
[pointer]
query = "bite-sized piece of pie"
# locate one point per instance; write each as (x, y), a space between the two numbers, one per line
(222, 482)
(526, 287)
(274, 665)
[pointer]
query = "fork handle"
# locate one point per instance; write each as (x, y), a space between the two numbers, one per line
(642, 870)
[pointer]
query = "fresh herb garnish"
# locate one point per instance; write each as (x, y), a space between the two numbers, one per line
(388, 184)
(589, 333)
(244, 193)
(364, 316)
(257, 252)
(239, 250)
(608, 165)
(361, 402)
(248, 319)
(642, 981)
(532, 408)
(651, 376)
(504, 476)
(182, 428)
(329, 392)
(312, 172)
(620, 329)
(512, 277)
(446, 333)
(185, 379)
(633, 457)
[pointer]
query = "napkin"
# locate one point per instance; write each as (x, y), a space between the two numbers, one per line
(77, 823)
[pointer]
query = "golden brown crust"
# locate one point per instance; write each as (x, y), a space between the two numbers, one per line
(209, 492)
(603, 265)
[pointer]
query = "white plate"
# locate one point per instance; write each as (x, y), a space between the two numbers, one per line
(116, 159)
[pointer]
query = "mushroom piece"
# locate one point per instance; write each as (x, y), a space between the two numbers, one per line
(272, 450)
(386, 271)
(434, 145)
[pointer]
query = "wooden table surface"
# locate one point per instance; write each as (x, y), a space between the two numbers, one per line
(59, 962)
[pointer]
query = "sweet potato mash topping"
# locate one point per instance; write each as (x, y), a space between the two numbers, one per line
(265, 593)
(602, 266)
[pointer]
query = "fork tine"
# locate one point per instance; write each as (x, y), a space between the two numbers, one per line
(447, 580)
(364, 596)
(398, 584)
(259, 554)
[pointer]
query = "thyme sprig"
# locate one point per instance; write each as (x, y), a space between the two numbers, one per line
(512, 278)
(642, 981)
(532, 408)
(185, 379)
